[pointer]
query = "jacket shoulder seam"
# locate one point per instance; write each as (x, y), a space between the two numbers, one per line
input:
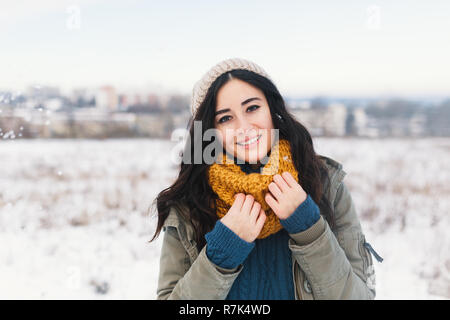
(331, 162)
(173, 219)
(335, 171)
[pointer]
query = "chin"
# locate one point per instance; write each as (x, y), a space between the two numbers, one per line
(252, 159)
(253, 155)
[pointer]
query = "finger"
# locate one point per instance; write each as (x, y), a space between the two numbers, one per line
(261, 219)
(290, 180)
(248, 203)
(279, 180)
(274, 190)
(271, 201)
(255, 211)
(238, 201)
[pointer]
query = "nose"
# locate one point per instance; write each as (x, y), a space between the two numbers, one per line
(245, 127)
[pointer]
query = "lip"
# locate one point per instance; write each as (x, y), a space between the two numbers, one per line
(248, 138)
(248, 146)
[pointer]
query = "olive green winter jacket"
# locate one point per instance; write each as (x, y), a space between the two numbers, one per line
(327, 264)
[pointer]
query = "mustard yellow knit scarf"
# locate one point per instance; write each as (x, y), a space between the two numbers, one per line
(226, 179)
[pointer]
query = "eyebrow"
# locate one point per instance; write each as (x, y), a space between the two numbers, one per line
(243, 103)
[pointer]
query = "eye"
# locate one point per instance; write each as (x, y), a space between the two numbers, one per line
(250, 109)
(221, 120)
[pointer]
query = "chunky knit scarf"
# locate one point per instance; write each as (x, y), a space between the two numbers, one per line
(227, 178)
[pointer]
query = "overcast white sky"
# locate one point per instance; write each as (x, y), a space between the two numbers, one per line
(352, 48)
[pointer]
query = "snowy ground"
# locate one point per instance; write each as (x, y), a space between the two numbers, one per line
(75, 224)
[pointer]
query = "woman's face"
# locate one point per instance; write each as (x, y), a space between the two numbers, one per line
(243, 120)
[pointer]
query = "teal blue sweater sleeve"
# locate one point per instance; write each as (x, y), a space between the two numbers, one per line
(225, 248)
(306, 214)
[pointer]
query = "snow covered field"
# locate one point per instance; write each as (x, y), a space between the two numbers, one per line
(74, 219)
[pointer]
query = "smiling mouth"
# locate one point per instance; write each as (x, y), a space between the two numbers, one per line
(251, 141)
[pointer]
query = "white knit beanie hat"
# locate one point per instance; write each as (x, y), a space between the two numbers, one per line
(201, 87)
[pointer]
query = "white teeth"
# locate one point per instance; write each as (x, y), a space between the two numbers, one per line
(249, 141)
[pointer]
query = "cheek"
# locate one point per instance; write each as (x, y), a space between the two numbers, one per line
(265, 120)
(226, 137)
(267, 127)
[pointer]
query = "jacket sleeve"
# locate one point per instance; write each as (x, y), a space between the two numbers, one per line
(336, 263)
(179, 279)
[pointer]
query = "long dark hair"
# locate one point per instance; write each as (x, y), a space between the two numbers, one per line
(192, 189)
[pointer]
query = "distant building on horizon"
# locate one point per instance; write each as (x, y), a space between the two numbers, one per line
(106, 99)
(38, 91)
(328, 121)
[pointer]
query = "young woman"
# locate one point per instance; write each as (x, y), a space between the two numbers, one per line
(271, 219)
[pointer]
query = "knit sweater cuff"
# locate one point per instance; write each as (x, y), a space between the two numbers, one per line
(306, 214)
(225, 248)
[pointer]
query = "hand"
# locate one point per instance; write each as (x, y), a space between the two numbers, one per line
(245, 217)
(285, 195)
